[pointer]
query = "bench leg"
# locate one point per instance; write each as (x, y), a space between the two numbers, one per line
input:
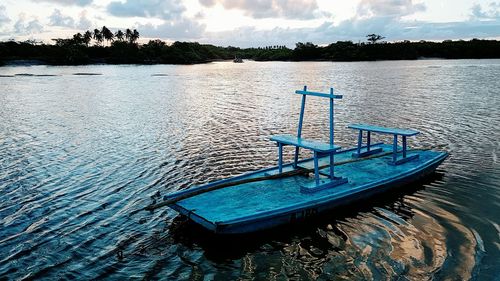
(280, 157)
(395, 149)
(404, 159)
(322, 184)
(360, 141)
(368, 141)
(296, 157)
(316, 168)
(332, 176)
(369, 150)
(404, 146)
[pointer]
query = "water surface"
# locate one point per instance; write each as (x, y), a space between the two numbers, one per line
(81, 147)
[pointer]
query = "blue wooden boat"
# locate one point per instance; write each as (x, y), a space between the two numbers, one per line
(295, 191)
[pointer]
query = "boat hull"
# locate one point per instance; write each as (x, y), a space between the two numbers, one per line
(225, 212)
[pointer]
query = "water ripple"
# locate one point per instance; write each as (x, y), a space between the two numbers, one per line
(82, 147)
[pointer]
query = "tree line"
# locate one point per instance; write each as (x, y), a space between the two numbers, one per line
(104, 46)
(99, 35)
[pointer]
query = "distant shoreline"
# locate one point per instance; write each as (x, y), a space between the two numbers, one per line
(158, 52)
(39, 62)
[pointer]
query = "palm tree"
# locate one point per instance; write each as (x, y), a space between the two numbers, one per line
(107, 34)
(78, 38)
(135, 36)
(128, 34)
(98, 37)
(87, 36)
(119, 35)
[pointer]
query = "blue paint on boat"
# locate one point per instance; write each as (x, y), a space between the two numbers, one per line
(258, 205)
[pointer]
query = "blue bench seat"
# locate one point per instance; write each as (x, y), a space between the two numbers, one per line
(318, 148)
(313, 145)
(383, 130)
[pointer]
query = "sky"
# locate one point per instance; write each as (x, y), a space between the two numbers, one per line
(254, 23)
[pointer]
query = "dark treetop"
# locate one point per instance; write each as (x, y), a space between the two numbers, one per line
(122, 47)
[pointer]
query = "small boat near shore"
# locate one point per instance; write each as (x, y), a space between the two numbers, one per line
(237, 60)
(304, 188)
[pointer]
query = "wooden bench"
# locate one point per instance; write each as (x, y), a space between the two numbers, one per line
(383, 130)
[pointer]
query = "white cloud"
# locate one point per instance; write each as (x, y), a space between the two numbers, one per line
(24, 26)
(182, 29)
(61, 20)
(208, 3)
(492, 11)
(251, 37)
(356, 29)
(3, 16)
(163, 9)
(83, 21)
(67, 2)
(267, 22)
(388, 8)
(58, 19)
(290, 9)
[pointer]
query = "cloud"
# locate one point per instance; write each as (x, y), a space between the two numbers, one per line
(182, 29)
(175, 26)
(491, 12)
(249, 36)
(395, 29)
(3, 16)
(388, 8)
(23, 26)
(386, 18)
(373, 16)
(163, 9)
(355, 30)
(289, 9)
(83, 21)
(381, 17)
(67, 2)
(58, 19)
(208, 3)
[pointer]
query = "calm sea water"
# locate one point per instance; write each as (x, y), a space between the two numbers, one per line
(79, 153)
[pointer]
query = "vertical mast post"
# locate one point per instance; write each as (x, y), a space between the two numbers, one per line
(299, 129)
(331, 134)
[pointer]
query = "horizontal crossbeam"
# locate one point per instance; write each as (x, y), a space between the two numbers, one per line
(316, 94)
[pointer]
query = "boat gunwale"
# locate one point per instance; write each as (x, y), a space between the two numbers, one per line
(251, 173)
(332, 197)
(304, 205)
(191, 214)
